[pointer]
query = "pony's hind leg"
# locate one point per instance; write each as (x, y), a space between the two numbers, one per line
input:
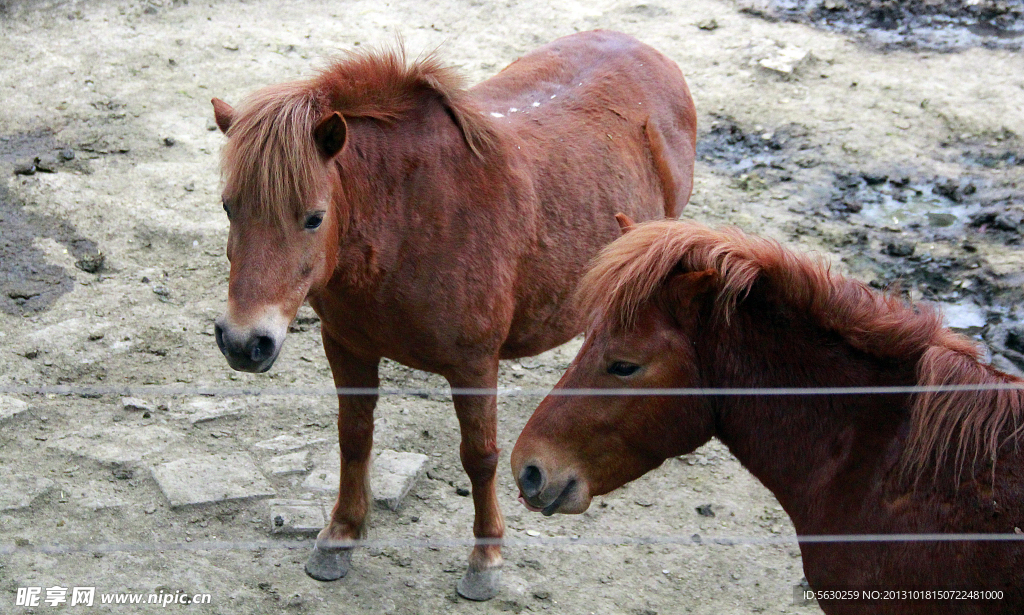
(333, 549)
(478, 421)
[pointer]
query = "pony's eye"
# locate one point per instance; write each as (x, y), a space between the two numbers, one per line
(314, 220)
(621, 368)
(227, 209)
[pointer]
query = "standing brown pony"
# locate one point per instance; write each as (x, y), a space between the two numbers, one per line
(439, 227)
(676, 304)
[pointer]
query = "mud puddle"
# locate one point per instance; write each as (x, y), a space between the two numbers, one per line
(900, 228)
(920, 24)
(28, 283)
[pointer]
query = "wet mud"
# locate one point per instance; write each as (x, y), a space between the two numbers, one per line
(901, 228)
(943, 26)
(28, 283)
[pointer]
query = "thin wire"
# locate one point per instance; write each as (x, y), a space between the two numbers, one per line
(172, 390)
(540, 541)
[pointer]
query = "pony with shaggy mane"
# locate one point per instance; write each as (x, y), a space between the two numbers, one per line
(442, 227)
(677, 304)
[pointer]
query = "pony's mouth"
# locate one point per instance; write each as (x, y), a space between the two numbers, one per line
(551, 508)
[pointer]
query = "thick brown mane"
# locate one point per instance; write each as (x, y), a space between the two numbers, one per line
(631, 271)
(270, 162)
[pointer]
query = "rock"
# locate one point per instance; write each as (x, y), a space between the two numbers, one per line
(705, 510)
(940, 220)
(708, 24)
(91, 263)
(292, 463)
(785, 60)
(26, 167)
(900, 248)
(205, 479)
(67, 154)
(231, 46)
(117, 445)
(284, 443)
(18, 490)
(169, 141)
(1006, 366)
(1015, 339)
(11, 407)
(47, 163)
(296, 517)
(203, 410)
(134, 404)
(98, 495)
(392, 475)
(966, 317)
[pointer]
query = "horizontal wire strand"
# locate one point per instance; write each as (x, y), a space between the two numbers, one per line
(541, 541)
(208, 391)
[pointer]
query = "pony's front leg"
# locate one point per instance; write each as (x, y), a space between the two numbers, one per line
(478, 421)
(332, 552)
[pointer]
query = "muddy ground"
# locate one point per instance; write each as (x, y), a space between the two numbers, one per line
(899, 162)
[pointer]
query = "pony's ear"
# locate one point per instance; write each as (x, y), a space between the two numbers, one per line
(330, 134)
(685, 289)
(223, 113)
(626, 223)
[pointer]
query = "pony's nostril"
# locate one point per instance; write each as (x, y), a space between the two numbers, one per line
(218, 333)
(262, 348)
(531, 480)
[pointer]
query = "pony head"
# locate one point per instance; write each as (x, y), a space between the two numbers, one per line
(282, 241)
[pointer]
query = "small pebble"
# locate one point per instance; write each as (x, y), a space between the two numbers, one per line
(25, 168)
(169, 141)
(47, 164)
(533, 533)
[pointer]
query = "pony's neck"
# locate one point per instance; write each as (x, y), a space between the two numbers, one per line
(811, 451)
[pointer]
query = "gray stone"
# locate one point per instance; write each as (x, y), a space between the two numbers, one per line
(285, 443)
(134, 404)
(785, 60)
(392, 475)
(292, 463)
(203, 410)
(1003, 364)
(117, 444)
(296, 517)
(98, 495)
(966, 317)
(204, 479)
(20, 490)
(11, 407)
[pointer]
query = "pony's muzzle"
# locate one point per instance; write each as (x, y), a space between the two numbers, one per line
(251, 350)
(540, 494)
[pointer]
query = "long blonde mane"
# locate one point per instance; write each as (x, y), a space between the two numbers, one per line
(632, 271)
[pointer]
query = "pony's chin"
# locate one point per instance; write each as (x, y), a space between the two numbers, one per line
(528, 506)
(245, 365)
(572, 506)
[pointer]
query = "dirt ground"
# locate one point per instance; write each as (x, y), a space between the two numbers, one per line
(900, 162)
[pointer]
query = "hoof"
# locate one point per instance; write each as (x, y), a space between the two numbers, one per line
(480, 585)
(328, 564)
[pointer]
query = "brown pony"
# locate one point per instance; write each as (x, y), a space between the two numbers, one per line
(440, 227)
(676, 304)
